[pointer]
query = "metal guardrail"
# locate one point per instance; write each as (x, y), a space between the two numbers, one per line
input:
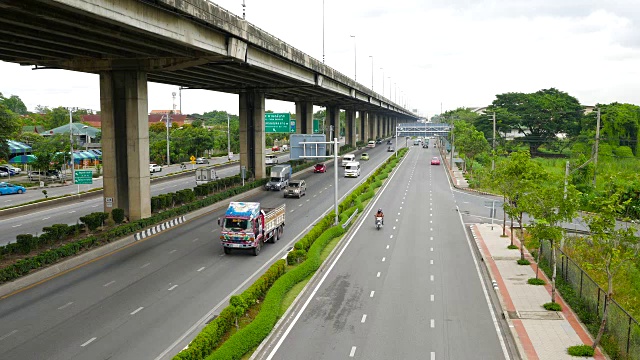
(346, 223)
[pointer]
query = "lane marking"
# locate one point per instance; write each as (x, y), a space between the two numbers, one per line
(196, 239)
(431, 277)
(47, 218)
(109, 283)
(7, 335)
(173, 287)
(433, 298)
(353, 351)
(387, 246)
(372, 292)
(95, 205)
(65, 305)
(145, 265)
(394, 228)
(202, 268)
(431, 238)
(431, 249)
(88, 342)
(137, 310)
(433, 355)
(433, 323)
(378, 274)
(364, 318)
(14, 226)
(383, 259)
(172, 251)
(391, 237)
(431, 261)
(71, 212)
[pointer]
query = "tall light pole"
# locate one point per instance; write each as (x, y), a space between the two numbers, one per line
(85, 137)
(389, 78)
(244, 7)
(371, 56)
(355, 59)
(168, 120)
(323, 31)
(228, 139)
(73, 173)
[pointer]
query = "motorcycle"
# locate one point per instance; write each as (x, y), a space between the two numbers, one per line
(378, 222)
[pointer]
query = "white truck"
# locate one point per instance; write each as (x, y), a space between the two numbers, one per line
(279, 177)
(247, 226)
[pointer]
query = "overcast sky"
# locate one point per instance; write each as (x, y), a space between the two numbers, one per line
(449, 53)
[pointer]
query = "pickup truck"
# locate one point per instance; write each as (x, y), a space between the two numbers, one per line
(246, 225)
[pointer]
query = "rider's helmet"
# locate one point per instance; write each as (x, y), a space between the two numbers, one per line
(379, 210)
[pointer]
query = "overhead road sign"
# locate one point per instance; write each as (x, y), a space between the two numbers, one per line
(278, 123)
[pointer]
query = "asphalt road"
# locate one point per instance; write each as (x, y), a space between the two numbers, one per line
(412, 290)
(149, 300)
(33, 221)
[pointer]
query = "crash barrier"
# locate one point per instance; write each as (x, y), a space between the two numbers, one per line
(350, 218)
(305, 259)
(158, 228)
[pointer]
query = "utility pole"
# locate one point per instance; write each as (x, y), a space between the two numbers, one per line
(323, 31)
(595, 159)
(244, 6)
(453, 136)
(73, 168)
(493, 156)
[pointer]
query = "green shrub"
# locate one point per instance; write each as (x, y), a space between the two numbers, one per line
(536, 281)
(552, 306)
(512, 247)
(623, 152)
(296, 256)
(26, 243)
(523, 262)
(117, 215)
(580, 350)
(94, 220)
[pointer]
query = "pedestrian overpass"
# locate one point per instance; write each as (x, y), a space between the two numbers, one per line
(423, 129)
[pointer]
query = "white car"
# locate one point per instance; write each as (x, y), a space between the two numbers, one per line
(155, 168)
(270, 159)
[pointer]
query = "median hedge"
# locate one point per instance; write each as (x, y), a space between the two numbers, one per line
(308, 250)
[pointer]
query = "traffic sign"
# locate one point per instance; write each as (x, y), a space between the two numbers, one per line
(192, 158)
(277, 122)
(83, 177)
(316, 126)
(293, 126)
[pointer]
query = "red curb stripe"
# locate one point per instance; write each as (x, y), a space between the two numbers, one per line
(527, 345)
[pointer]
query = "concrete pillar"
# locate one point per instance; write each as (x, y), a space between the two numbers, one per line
(350, 130)
(125, 142)
(372, 126)
(304, 117)
(252, 137)
(363, 126)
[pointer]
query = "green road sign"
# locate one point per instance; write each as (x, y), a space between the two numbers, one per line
(316, 126)
(277, 123)
(83, 177)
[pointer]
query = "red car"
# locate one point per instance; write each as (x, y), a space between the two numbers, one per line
(435, 161)
(275, 148)
(320, 168)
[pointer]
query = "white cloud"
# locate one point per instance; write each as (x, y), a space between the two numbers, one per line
(458, 53)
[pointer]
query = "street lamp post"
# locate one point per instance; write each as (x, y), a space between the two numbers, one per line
(389, 77)
(168, 120)
(228, 139)
(355, 61)
(371, 56)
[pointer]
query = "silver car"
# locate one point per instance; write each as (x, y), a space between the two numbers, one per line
(296, 188)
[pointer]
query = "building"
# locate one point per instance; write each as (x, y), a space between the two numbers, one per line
(155, 116)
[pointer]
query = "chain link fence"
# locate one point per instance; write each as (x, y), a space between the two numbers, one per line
(621, 327)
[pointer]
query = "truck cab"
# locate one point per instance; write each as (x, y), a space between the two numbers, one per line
(279, 177)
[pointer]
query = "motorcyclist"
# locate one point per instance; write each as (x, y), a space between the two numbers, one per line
(379, 214)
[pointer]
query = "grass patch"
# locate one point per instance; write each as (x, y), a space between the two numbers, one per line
(552, 306)
(293, 293)
(330, 246)
(580, 350)
(512, 247)
(523, 262)
(536, 281)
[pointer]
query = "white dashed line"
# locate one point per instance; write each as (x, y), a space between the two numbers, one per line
(145, 265)
(390, 236)
(14, 226)
(431, 249)
(433, 355)
(202, 268)
(433, 297)
(300, 205)
(137, 310)
(431, 238)
(172, 251)
(431, 277)
(431, 261)
(383, 259)
(173, 287)
(7, 335)
(378, 274)
(65, 305)
(196, 239)
(353, 351)
(396, 220)
(88, 342)
(394, 228)
(364, 318)
(372, 292)
(71, 212)
(95, 205)
(387, 246)
(109, 283)
(47, 218)
(433, 323)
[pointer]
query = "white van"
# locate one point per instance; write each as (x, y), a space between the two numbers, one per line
(347, 158)
(371, 144)
(352, 169)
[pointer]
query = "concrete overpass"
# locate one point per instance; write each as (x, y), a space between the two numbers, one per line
(190, 43)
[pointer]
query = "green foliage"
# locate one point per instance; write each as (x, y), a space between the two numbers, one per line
(117, 215)
(552, 306)
(94, 220)
(8, 128)
(580, 350)
(13, 104)
(523, 262)
(536, 281)
(512, 247)
(623, 152)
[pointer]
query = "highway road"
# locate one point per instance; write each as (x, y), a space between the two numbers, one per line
(32, 222)
(412, 290)
(147, 301)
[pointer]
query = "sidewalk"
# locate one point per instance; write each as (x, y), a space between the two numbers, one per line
(539, 334)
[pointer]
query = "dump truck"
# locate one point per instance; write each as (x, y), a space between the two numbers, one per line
(279, 177)
(247, 225)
